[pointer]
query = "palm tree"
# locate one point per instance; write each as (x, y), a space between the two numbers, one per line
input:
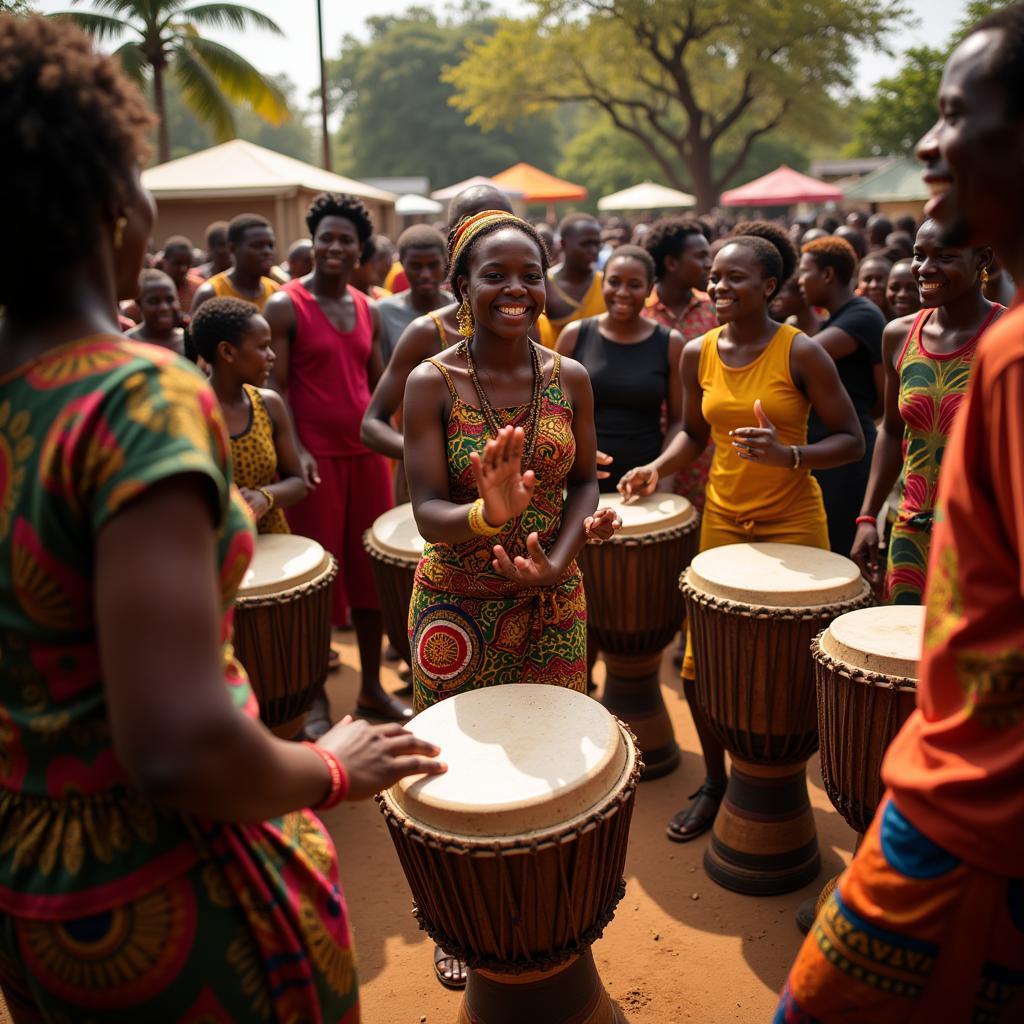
(210, 76)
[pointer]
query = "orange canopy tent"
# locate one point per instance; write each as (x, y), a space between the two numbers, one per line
(538, 186)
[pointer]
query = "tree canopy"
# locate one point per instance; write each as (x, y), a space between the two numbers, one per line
(166, 39)
(398, 119)
(901, 107)
(686, 79)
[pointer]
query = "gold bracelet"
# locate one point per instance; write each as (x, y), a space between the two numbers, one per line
(270, 498)
(797, 455)
(478, 522)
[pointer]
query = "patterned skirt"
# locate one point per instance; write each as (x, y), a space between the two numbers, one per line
(255, 930)
(461, 643)
(906, 570)
(911, 935)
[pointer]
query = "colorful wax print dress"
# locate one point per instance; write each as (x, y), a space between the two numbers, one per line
(932, 388)
(114, 907)
(471, 627)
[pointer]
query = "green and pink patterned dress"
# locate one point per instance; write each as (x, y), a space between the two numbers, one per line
(470, 626)
(932, 386)
(115, 908)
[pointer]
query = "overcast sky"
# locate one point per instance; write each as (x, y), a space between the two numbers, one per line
(295, 54)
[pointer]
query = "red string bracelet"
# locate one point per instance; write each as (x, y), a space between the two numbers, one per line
(339, 778)
(866, 519)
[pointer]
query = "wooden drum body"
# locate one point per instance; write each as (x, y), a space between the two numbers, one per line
(395, 549)
(865, 666)
(515, 856)
(753, 610)
(634, 609)
(282, 632)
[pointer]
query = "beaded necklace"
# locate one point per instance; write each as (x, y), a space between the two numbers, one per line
(536, 401)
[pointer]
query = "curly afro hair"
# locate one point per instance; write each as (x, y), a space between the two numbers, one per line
(667, 237)
(338, 204)
(460, 267)
(74, 131)
(834, 252)
(771, 247)
(218, 320)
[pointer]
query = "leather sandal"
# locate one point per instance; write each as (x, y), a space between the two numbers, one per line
(441, 959)
(688, 824)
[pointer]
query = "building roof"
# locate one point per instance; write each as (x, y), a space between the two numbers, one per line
(538, 186)
(854, 167)
(898, 181)
(240, 168)
(781, 187)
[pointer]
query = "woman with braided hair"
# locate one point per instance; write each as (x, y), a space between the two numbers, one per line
(751, 370)
(496, 427)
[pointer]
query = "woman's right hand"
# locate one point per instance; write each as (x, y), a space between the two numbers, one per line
(865, 553)
(638, 482)
(500, 480)
(603, 460)
(377, 756)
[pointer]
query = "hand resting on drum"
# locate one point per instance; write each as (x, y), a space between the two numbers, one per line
(377, 756)
(639, 482)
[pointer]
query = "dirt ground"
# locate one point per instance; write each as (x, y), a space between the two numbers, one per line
(680, 947)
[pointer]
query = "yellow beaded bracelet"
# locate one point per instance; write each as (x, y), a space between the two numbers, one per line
(477, 521)
(270, 498)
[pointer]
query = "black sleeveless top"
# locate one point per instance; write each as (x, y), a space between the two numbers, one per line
(630, 387)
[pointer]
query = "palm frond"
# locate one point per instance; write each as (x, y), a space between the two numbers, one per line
(202, 93)
(239, 80)
(229, 16)
(133, 60)
(99, 26)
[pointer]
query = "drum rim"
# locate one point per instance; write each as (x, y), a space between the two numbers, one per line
(904, 684)
(689, 522)
(728, 592)
(381, 546)
(323, 577)
(776, 611)
(625, 783)
(389, 555)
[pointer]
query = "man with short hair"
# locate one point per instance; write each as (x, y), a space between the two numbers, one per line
(423, 254)
(927, 924)
(218, 252)
(252, 243)
(574, 286)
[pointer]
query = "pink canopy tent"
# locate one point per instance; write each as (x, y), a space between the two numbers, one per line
(782, 187)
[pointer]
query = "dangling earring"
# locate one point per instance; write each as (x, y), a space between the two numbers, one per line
(464, 318)
(984, 276)
(119, 225)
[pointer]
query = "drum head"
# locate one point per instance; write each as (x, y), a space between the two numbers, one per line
(653, 514)
(282, 561)
(776, 575)
(883, 640)
(520, 758)
(395, 533)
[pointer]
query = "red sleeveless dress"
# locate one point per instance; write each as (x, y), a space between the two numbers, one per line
(329, 390)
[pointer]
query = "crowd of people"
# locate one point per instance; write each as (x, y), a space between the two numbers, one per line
(841, 382)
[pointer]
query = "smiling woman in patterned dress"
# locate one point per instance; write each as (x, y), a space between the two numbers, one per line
(154, 861)
(927, 358)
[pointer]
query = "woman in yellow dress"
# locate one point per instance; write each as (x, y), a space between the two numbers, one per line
(752, 370)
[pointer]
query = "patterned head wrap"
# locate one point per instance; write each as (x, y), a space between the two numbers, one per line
(472, 226)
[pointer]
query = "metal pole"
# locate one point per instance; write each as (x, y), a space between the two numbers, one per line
(323, 88)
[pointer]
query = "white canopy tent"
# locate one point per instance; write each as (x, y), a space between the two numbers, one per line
(647, 196)
(412, 205)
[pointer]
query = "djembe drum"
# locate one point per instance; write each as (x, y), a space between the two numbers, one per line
(634, 609)
(865, 666)
(515, 855)
(282, 630)
(753, 610)
(395, 549)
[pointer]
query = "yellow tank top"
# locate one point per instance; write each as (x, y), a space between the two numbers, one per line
(254, 458)
(747, 491)
(221, 285)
